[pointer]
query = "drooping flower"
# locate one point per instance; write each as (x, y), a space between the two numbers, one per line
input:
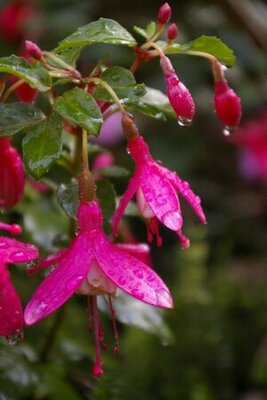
(156, 190)
(92, 266)
(12, 175)
(227, 104)
(251, 140)
(179, 96)
(12, 251)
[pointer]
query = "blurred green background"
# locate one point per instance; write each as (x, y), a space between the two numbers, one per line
(213, 345)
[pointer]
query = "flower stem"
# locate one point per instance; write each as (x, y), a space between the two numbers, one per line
(109, 89)
(11, 89)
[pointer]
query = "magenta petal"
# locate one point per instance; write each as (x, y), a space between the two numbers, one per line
(47, 262)
(124, 201)
(63, 281)
(13, 251)
(11, 314)
(131, 275)
(161, 197)
(193, 200)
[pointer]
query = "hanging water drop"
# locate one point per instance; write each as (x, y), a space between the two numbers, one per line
(182, 121)
(228, 130)
(15, 339)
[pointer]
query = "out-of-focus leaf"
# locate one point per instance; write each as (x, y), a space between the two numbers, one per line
(123, 83)
(42, 146)
(34, 74)
(207, 44)
(67, 196)
(154, 104)
(80, 108)
(113, 172)
(101, 31)
(18, 116)
(106, 195)
(148, 31)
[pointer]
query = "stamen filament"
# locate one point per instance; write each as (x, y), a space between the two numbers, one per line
(97, 368)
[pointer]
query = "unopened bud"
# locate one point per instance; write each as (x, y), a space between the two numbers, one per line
(227, 104)
(164, 14)
(179, 96)
(172, 32)
(33, 50)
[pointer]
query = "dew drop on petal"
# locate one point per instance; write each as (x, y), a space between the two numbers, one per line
(228, 130)
(138, 273)
(3, 245)
(74, 282)
(137, 294)
(182, 121)
(18, 256)
(122, 280)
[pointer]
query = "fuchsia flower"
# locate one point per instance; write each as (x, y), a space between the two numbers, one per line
(251, 139)
(172, 32)
(12, 252)
(179, 96)
(92, 266)
(155, 187)
(227, 104)
(12, 176)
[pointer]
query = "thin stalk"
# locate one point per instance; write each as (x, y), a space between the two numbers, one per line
(109, 89)
(11, 90)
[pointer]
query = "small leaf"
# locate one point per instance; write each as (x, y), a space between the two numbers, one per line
(148, 32)
(101, 31)
(42, 146)
(122, 82)
(154, 104)
(67, 196)
(106, 194)
(208, 44)
(34, 74)
(80, 108)
(18, 116)
(68, 55)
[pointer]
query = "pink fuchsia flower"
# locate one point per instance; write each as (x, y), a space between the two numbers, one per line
(156, 190)
(12, 175)
(251, 139)
(93, 266)
(227, 105)
(12, 252)
(179, 96)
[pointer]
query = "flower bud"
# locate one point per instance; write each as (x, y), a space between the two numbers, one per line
(179, 96)
(164, 15)
(227, 104)
(33, 50)
(172, 32)
(12, 176)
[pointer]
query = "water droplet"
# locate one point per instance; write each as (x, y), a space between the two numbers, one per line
(15, 339)
(122, 280)
(182, 121)
(95, 282)
(3, 245)
(74, 282)
(138, 273)
(115, 77)
(18, 256)
(150, 277)
(174, 81)
(161, 199)
(137, 294)
(228, 130)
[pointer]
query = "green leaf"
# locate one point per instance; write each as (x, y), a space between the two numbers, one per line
(208, 44)
(122, 82)
(68, 55)
(80, 108)
(67, 196)
(18, 116)
(148, 31)
(154, 104)
(106, 195)
(34, 74)
(43, 146)
(101, 31)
